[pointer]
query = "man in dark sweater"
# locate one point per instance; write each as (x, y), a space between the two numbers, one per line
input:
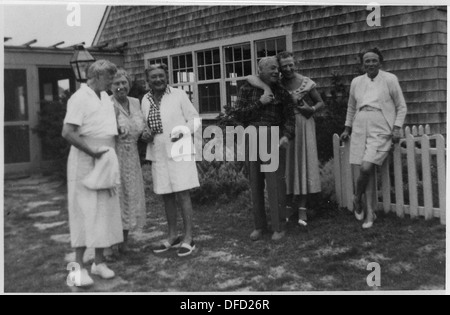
(255, 108)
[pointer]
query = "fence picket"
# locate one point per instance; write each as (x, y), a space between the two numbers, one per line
(348, 178)
(421, 130)
(398, 178)
(412, 176)
(427, 129)
(337, 168)
(386, 185)
(440, 145)
(414, 131)
(426, 175)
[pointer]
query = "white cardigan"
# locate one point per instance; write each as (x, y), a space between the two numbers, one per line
(393, 105)
(176, 110)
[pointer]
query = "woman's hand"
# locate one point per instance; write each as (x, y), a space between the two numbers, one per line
(306, 111)
(99, 154)
(396, 134)
(147, 136)
(266, 98)
(123, 132)
(346, 134)
(284, 142)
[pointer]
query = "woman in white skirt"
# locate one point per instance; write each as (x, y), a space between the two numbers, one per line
(90, 126)
(375, 115)
(170, 120)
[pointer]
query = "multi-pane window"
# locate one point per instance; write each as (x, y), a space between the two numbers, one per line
(213, 76)
(183, 76)
(157, 61)
(209, 75)
(270, 47)
(208, 64)
(238, 65)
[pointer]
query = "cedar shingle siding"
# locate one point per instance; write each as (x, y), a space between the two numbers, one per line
(326, 38)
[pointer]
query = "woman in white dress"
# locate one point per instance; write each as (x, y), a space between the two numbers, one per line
(90, 126)
(131, 120)
(170, 118)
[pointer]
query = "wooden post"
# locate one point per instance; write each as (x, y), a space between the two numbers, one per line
(348, 177)
(398, 178)
(412, 176)
(441, 169)
(337, 169)
(426, 173)
(386, 185)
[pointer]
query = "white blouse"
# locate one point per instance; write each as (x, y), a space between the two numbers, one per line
(176, 110)
(96, 117)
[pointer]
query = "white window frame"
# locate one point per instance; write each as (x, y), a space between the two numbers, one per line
(220, 44)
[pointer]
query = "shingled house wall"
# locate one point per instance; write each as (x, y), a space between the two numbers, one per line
(325, 38)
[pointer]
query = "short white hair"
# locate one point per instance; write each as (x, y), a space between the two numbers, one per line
(264, 61)
(101, 67)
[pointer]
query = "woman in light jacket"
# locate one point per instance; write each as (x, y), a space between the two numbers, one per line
(375, 115)
(170, 119)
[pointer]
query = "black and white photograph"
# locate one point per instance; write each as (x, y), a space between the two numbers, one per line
(227, 148)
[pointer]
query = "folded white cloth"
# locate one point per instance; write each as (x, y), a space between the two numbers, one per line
(106, 173)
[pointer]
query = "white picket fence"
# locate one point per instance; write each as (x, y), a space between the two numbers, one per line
(415, 145)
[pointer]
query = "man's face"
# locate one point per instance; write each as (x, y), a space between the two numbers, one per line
(105, 81)
(287, 67)
(269, 72)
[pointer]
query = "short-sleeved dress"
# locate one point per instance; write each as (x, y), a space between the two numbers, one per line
(302, 163)
(169, 175)
(132, 193)
(94, 215)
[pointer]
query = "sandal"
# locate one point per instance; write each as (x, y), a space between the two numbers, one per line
(369, 225)
(165, 245)
(186, 249)
(359, 215)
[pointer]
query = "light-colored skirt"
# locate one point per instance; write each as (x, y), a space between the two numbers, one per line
(371, 138)
(302, 162)
(132, 193)
(170, 176)
(94, 215)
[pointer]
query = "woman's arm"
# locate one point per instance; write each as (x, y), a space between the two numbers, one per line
(258, 83)
(317, 99)
(71, 133)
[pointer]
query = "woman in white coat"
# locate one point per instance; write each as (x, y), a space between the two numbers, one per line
(375, 115)
(170, 118)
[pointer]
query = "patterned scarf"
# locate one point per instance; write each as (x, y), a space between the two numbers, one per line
(154, 115)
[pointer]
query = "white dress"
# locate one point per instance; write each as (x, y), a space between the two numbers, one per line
(94, 215)
(170, 176)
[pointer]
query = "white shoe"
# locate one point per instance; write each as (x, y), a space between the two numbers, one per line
(81, 278)
(102, 271)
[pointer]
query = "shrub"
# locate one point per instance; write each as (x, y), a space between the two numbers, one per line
(327, 179)
(332, 119)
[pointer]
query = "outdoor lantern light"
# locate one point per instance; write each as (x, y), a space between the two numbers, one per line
(80, 62)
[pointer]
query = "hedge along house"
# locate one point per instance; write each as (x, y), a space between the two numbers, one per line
(210, 49)
(34, 75)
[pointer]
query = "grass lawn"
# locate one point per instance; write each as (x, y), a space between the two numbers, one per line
(331, 254)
